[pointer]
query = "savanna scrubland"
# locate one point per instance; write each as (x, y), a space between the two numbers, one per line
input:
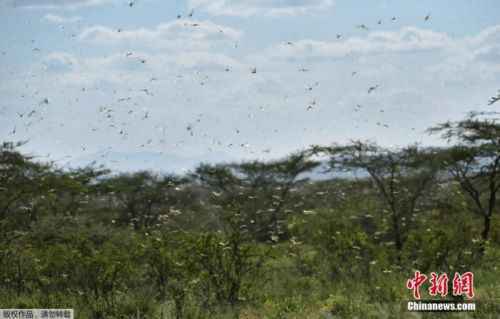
(327, 232)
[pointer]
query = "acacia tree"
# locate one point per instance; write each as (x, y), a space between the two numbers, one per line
(474, 162)
(273, 182)
(401, 177)
(223, 190)
(227, 259)
(21, 182)
(144, 197)
(257, 191)
(167, 256)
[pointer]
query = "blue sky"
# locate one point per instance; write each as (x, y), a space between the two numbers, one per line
(136, 87)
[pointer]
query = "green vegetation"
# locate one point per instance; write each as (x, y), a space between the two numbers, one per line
(256, 239)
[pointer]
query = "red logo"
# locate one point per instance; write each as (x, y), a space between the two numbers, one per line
(439, 285)
(415, 283)
(463, 284)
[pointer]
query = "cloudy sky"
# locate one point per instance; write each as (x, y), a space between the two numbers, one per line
(166, 84)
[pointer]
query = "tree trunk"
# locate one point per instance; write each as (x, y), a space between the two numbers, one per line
(485, 234)
(398, 240)
(486, 227)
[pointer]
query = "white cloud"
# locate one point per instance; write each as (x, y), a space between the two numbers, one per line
(60, 61)
(179, 34)
(57, 19)
(118, 68)
(260, 7)
(54, 4)
(485, 46)
(490, 35)
(135, 54)
(408, 39)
